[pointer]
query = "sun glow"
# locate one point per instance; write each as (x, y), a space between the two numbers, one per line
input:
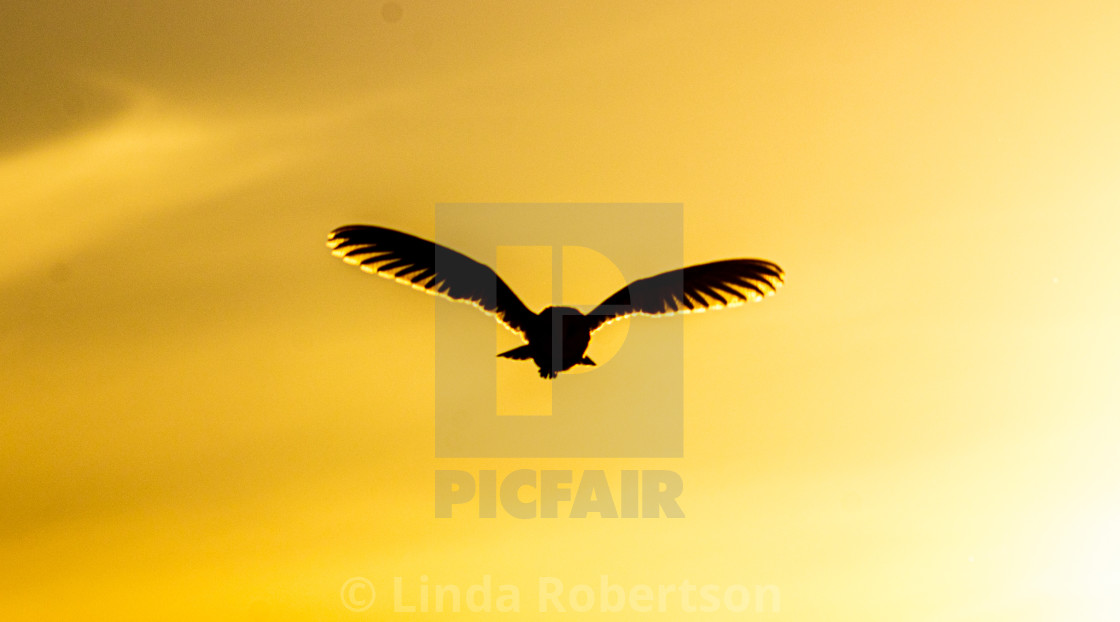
(204, 415)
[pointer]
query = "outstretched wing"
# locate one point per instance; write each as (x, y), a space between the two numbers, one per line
(433, 268)
(695, 288)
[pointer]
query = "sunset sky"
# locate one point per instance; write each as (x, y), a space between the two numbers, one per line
(205, 416)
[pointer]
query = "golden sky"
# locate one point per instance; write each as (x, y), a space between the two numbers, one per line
(206, 416)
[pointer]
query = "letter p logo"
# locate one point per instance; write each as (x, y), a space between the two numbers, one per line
(631, 404)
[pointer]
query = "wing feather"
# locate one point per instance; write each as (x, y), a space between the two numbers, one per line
(430, 267)
(695, 288)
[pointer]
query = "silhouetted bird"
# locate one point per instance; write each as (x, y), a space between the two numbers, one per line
(557, 336)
